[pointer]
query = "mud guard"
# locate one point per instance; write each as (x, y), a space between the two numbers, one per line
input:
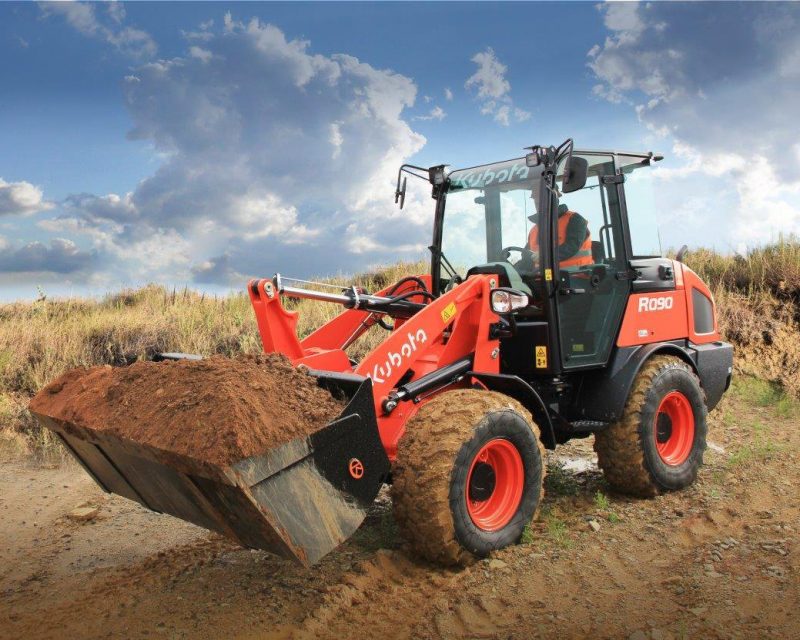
(603, 393)
(526, 395)
(299, 500)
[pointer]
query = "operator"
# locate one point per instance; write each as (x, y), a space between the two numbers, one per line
(574, 239)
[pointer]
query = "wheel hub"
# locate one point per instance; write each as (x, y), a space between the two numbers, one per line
(674, 429)
(495, 485)
(663, 428)
(481, 482)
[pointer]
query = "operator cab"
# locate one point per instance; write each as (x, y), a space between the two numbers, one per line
(497, 218)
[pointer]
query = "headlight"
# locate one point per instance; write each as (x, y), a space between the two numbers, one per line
(506, 300)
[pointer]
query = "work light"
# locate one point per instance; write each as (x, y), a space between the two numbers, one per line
(506, 300)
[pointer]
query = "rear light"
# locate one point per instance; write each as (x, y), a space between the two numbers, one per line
(507, 300)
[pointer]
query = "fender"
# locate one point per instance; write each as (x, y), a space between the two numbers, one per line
(526, 395)
(603, 393)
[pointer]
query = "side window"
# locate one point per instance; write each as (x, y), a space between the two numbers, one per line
(596, 203)
(640, 202)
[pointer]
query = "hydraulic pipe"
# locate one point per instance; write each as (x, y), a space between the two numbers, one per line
(333, 297)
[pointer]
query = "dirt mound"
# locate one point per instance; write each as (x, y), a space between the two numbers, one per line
(217, 410)
(764, 332)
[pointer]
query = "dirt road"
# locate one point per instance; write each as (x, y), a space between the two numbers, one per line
(717, 561)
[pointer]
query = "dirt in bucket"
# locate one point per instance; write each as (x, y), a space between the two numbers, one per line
(218, 410)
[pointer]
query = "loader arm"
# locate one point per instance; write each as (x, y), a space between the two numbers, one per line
(455, 326)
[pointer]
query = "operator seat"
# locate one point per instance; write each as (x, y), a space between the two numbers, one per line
(514, 280)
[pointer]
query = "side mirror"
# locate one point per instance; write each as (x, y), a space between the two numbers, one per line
(575, 173)
(400, 192)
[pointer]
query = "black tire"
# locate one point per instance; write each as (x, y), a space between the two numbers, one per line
(434, 458)
(628, 452)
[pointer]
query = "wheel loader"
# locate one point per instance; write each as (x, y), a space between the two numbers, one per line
(549, 313)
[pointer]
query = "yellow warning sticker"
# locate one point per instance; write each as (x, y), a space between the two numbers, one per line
(541, 357)
(548, 274)
(449, 312)
(577, 347)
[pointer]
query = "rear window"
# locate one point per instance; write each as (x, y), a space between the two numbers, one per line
(703, 313)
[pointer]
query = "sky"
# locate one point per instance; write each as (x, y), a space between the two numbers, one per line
(201, 144)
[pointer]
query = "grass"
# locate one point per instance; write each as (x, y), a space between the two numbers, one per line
(603, 506)
(557, 529)
(601, 501)
(773, 269)
(759, 443)
(527, 536)
(764, 393)
(758, 299)
(40, 340)
(758, 307)
(559, 481)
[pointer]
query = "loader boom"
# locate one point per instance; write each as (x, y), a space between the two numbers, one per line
(454, 327)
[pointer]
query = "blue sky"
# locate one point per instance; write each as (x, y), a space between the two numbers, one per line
(203, 143)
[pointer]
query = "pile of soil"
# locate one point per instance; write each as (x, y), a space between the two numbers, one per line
(218, 410)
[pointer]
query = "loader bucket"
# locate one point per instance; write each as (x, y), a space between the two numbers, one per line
(299, 500)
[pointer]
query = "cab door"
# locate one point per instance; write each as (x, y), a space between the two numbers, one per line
(592, 294)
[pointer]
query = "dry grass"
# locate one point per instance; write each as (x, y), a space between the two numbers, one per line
(773, 269)
(758, 303)
(758, 298)
(41, 340)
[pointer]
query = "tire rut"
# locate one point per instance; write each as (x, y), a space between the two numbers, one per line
(384, 594)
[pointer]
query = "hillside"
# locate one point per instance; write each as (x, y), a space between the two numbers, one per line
(758, 298)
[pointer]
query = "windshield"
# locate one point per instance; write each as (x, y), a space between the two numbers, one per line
(488, 209)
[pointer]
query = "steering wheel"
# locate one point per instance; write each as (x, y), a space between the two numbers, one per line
(507, 251)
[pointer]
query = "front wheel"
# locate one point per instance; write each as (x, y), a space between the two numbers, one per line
(468, 476)
(658, 444)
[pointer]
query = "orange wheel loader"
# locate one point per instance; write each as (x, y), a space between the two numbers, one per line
(548, 314)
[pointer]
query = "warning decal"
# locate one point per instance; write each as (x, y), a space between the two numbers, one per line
(448, 312)
(541, 357)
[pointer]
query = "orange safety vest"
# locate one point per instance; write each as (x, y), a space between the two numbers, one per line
(581, 258)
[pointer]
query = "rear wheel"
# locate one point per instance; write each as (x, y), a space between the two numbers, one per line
(468, 476)
(658, 444)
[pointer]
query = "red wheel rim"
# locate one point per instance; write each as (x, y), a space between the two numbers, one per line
(494, 485)
(674, 428)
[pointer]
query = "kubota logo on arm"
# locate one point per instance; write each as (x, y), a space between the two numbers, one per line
(394, 359)
(655, 304)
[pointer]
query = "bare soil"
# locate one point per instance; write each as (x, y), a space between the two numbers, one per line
(218, 410)
(719, 560)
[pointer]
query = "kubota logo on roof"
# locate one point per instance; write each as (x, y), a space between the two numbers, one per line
(394, 359)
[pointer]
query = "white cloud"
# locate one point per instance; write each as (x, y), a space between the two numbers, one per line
(116, 11)
(271, 153)
(201, 54)
(493, 89)
(21, 198)
(490, 77)
(711, 81)
(448, 94)
(437, 113)
(83, 17)
(218, 270)
(62, 256)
